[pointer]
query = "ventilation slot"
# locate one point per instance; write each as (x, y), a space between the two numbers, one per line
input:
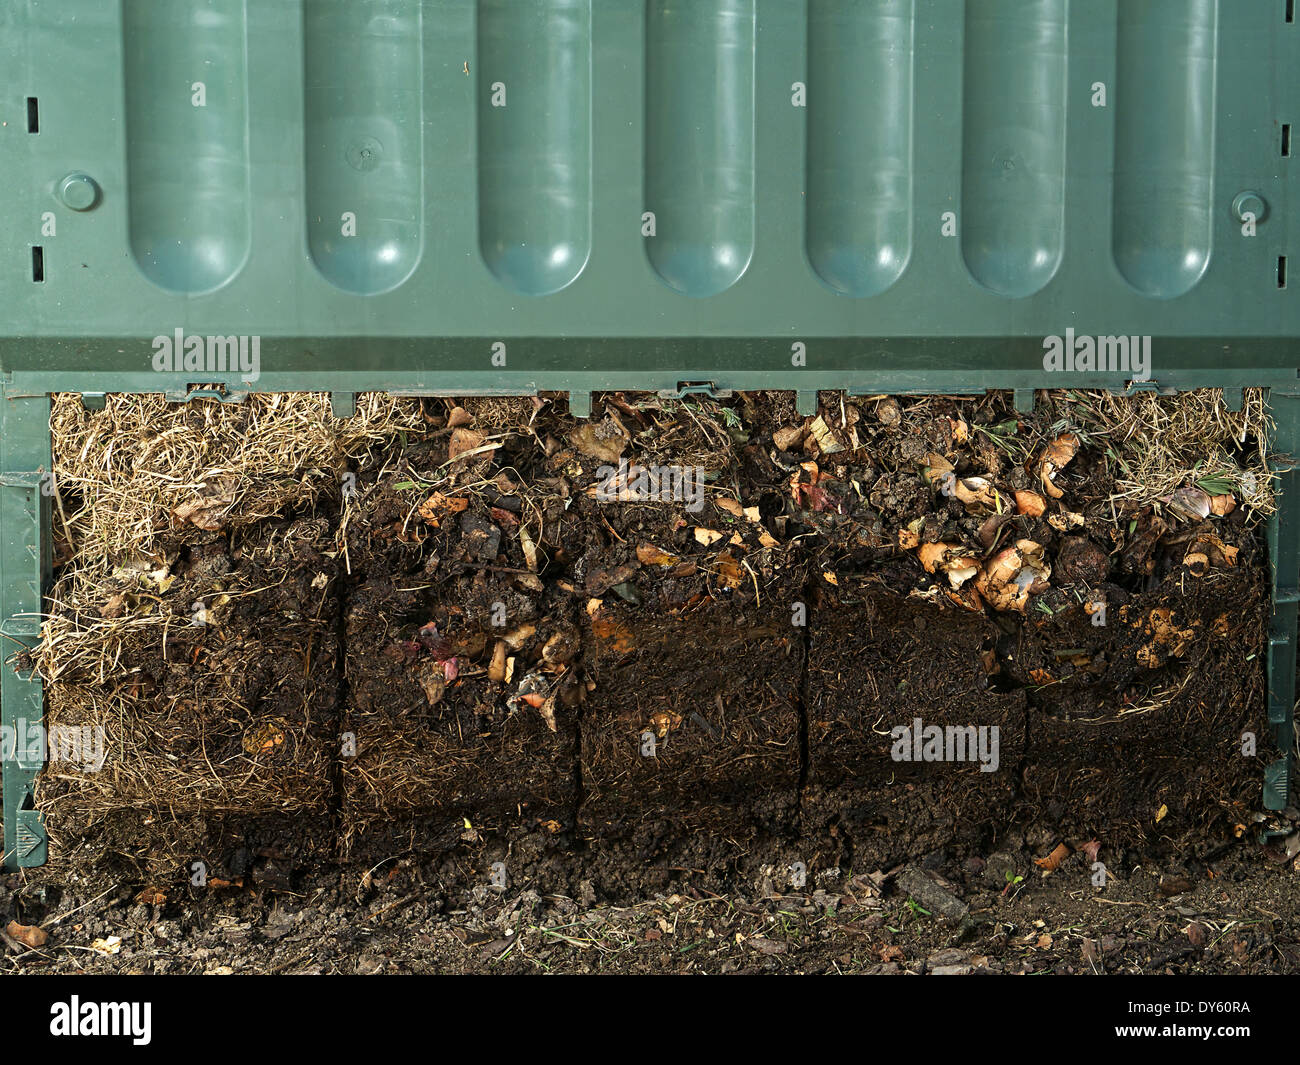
(33, 115)
(38, 263)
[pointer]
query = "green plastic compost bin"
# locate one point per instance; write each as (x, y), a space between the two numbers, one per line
(436, 197)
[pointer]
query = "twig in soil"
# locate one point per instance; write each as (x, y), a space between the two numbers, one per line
(62, 916)
(490, 569)
(391, 906)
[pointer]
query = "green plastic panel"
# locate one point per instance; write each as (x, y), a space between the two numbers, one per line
(24, 570)
(434, 195)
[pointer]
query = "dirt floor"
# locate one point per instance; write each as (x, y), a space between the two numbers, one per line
(917, 684)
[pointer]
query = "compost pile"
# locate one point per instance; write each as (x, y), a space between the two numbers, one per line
(673, 641)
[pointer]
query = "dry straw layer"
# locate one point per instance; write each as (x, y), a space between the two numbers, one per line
(1163, 443)
(134, 463)
(178, 704)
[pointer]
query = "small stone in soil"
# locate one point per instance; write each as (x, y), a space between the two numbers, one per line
(929, 895)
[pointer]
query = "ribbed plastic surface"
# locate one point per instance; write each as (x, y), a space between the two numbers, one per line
(650, 191)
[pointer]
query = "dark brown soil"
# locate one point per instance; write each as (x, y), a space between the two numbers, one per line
(716, 689)
(882, 661)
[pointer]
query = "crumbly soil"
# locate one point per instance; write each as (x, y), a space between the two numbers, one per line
(467, 715)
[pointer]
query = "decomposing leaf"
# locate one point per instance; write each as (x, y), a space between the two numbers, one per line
(29, 935)
(433, 679)
(162, 578)
(438, 506)
(814, 496)
(265, 737)
(649, 555)
(1030, 503)
(705, 536)
(529, 548)
(663, 722)
(1217, 553)
(932, 556)
(497, 667)
(605, 626)
(208, 511)
(977, 493)
(730, 572)
(824, 436)
(604, 441)
(1066, 519)
(1056, 456)
(464, 441)
(520, 634)
(1052, 862)
(547, 710)
(937, 468)
(736, 509)
(113, 607)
